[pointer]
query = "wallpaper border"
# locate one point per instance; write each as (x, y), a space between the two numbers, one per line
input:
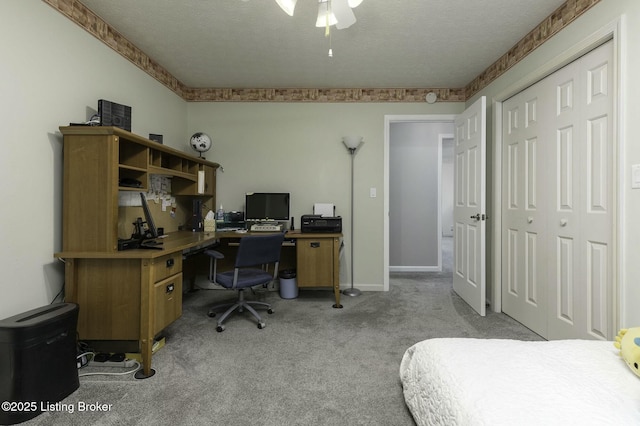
(77, 12)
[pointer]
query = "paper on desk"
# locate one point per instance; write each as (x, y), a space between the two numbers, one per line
(159, 184)
(167, 201)
(324, 209)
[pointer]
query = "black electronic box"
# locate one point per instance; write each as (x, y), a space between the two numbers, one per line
(113, 114)
(317, 223)
(38, 363)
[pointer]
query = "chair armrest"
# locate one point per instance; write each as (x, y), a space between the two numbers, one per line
(215, 254)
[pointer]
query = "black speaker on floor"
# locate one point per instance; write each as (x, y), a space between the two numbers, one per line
(38, 366)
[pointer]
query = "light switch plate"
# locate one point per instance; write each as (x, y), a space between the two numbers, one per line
(373, 193)
(635, 176)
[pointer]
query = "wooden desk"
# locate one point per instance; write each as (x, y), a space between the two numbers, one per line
(129, 296)
(124, 296)
(317, 258)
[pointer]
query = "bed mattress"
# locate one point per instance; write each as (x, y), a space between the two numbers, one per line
(508, 382)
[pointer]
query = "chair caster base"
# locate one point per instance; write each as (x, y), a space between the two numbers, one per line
(220, 328)
(261, 325)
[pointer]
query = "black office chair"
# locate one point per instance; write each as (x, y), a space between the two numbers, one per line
(253, 251)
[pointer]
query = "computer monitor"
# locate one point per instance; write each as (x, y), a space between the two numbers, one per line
(151, 231)
(145, 232)
(267, 206)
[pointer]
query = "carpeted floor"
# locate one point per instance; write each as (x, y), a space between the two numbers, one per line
(311, 365)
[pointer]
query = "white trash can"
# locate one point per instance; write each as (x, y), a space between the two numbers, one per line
(288, 284)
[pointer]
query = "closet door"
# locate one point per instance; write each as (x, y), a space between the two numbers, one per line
(557, 192)
(524, 208)
(581, 220)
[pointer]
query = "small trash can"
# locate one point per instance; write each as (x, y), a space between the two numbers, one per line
(288, 284)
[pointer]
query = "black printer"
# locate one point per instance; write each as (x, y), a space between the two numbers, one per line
(317, 223)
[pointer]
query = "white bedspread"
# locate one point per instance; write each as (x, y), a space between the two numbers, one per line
(508, 382)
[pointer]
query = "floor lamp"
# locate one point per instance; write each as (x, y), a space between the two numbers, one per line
(352, 143)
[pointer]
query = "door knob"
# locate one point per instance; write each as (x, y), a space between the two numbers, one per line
(563, 222)
(476, 217)
(530, 219)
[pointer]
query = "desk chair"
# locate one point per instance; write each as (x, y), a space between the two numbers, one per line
(253, 251)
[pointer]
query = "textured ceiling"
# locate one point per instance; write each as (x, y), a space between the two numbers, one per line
(394, 43)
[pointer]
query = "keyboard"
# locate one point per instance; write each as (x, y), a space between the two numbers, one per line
(263, 227)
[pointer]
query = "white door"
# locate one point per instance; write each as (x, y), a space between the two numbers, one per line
(469, 211)
(524, 207)
(581, 218)
(558, 192)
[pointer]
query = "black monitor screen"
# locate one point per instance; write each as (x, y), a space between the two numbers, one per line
(267, 206)
(151, 231)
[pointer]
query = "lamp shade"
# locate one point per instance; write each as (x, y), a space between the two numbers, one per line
(352, 142)
(287, 6)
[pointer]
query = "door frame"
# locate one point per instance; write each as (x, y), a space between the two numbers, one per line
(612, 31)
(388, 120)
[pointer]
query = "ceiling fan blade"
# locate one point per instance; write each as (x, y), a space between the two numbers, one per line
(287, 5)
(343, 13)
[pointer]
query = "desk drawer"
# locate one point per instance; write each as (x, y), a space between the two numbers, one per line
(168, 302)
(166, 266)
(315, 262)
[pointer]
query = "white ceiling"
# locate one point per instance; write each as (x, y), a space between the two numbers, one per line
(254, 44)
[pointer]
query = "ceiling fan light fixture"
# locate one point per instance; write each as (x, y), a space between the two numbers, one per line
(325, 16)
(343, 13)
(288, 6)
(354, 3)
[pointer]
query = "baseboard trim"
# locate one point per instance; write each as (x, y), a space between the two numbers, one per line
(415, 269)
(364, 287)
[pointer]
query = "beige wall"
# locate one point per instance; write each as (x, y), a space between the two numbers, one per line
(297, 148)
(52, 73)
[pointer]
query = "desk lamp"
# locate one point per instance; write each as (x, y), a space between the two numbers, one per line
(352, 143)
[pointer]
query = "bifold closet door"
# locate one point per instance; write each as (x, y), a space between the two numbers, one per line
(558, 195)
(524, 207)
(581, 220)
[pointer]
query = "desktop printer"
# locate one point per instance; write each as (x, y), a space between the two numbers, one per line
(317, 223)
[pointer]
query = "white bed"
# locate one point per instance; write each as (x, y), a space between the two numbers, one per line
(510, 382)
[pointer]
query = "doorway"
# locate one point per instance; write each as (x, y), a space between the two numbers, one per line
(446, 143)
(413, 195)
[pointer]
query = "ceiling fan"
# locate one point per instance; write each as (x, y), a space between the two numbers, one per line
(330, 12)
